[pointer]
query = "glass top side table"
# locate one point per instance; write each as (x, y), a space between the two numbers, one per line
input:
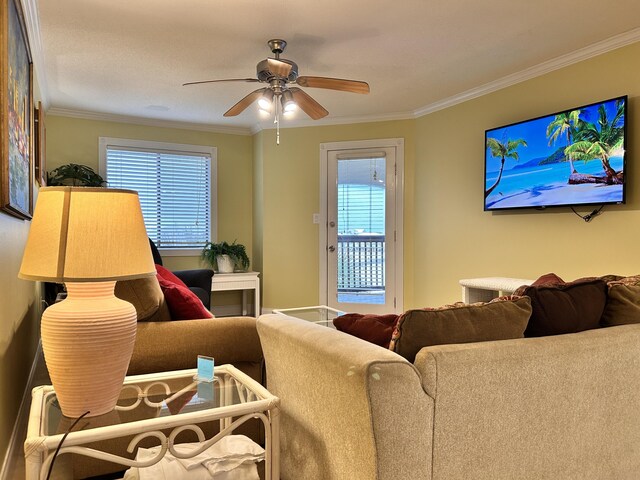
(320, 314)
(149, 404)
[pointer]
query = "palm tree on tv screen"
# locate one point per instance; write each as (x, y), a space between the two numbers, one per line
(599, 141)
(564, 124)
(503, 150)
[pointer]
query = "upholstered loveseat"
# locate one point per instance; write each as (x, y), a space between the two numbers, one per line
(562, 407)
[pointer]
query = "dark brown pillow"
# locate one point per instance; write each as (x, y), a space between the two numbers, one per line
(546, 279)
(623, 302)
(372, 328)
(500, 319)
(566, 308)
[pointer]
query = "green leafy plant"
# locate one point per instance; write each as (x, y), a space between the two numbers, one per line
(74, 175)
(236, 251)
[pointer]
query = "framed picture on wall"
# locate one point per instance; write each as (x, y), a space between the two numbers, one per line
(16, 110)
(39, 148)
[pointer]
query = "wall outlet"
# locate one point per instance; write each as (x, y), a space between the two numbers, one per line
(316, 218)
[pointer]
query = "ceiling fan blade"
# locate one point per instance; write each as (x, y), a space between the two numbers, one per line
(239, 107)
(278, 67)
(225, 80)
(308, 104)
(354, 86)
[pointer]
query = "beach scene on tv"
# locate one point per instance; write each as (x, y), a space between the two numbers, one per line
(574, 157)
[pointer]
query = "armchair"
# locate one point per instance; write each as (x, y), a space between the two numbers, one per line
(198, 280)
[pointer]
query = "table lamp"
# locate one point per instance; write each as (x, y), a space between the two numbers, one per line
(87, 238)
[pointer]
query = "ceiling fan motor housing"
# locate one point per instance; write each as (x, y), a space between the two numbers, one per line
(265, 74)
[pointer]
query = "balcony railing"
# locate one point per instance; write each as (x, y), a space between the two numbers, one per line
(360, 263)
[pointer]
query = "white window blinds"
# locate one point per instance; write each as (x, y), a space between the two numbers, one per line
(174, 189)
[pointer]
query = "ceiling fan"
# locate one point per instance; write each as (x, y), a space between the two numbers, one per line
(281, 75)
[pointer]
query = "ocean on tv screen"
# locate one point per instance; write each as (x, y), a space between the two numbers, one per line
(547, 186)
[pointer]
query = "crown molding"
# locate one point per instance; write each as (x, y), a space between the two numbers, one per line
(32, 21)
(613, 43)
(151, 122)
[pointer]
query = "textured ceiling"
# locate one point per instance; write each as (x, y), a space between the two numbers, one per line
(132, 57)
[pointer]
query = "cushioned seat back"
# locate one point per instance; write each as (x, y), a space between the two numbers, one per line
(146, 296)
(557, 407)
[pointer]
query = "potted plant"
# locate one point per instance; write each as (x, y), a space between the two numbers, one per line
(225, 257)
(74, 175)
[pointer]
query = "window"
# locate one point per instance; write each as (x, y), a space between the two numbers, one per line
(176, 186)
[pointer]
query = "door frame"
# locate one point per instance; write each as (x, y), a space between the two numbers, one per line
(325, 148)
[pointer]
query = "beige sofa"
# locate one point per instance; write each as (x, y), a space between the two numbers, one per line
(164, 345)
(560, 408)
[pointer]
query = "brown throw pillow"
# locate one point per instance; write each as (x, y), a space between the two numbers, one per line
(623, 302)
(500, 319)
(372, 328)
(145, 294)
(567, 308)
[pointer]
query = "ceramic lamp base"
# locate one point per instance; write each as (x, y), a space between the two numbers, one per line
(88, 340)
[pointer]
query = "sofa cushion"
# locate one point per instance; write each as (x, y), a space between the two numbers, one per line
(146, 296)
(502, 318)
(372, 328)
(623, 302)
(182, 302)
(565, 308)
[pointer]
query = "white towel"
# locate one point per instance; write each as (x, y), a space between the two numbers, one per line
(231, 447)
(233, 457)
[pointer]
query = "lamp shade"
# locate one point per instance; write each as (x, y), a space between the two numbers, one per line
(83, 234)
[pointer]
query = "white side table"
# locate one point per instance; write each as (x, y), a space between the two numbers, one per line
(244, 281)
(153, 406)
(485, 289)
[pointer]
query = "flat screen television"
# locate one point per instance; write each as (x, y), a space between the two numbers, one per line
(569, 158)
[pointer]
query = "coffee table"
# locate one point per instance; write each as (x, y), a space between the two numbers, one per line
(150, 406)
(320, 314)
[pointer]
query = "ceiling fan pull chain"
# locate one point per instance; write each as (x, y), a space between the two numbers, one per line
(276, 120)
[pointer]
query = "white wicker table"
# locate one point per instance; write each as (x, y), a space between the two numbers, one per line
(236, 399)
(224, 282)
(487, 288)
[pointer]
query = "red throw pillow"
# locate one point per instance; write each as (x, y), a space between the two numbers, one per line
(168, 275)
(182, 302)
(372, 328)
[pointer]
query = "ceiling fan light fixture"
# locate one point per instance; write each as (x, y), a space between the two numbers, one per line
(266, 100)
(289, 105)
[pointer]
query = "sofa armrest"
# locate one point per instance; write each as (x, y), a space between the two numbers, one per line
(349, 409)
(200, 277)
(175, 345)
(199, 282)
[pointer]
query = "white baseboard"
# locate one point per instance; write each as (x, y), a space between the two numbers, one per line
(14, 442)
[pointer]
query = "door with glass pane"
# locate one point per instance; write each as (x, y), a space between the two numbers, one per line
(361, 249)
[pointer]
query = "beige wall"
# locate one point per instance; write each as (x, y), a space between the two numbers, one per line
(447, 234)
(19, 324)
(455, 239)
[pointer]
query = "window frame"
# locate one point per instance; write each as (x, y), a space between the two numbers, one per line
(150, 145)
